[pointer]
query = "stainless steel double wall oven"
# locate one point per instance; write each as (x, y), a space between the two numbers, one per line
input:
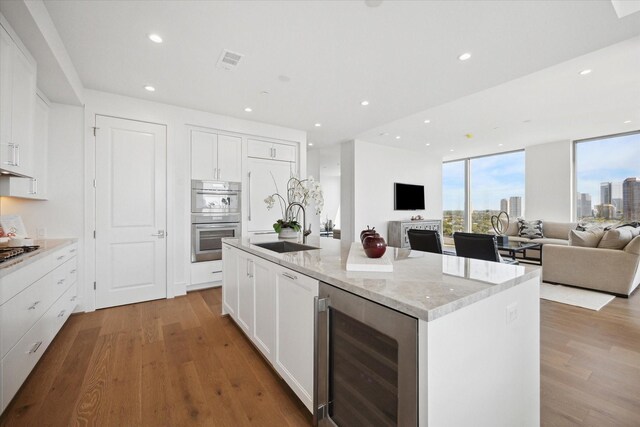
(215, 214)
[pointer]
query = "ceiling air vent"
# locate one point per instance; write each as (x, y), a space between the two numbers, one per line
(229, 60)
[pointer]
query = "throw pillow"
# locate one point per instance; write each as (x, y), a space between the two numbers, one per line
(616, 238)
(634, 246)
(530, 229)
(586, 239)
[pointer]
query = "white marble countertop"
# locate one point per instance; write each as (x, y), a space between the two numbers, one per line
(424, 285)
(46, 247)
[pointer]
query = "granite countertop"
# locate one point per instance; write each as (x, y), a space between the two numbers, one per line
(423, 285)
(46, 247)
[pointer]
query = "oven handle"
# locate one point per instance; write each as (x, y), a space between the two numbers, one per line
(200, 226)
(217, 193)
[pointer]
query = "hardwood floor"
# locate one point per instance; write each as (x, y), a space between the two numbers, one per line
(178, 362)
(161, 363)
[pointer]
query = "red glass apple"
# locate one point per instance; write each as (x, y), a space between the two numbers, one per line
(367, 232)
(374, 245)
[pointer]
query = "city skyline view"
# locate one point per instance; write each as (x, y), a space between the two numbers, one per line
(493, 178)
(606, 160)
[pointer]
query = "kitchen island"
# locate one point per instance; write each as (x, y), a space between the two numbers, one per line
(477, 323)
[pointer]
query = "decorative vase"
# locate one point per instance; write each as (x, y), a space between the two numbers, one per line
(287, 233)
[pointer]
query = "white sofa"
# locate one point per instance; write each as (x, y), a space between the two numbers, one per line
(613, 271)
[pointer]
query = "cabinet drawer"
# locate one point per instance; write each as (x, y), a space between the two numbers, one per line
(271, 150)
(206, 272)
(62, 309)
(72, 270)
(19, 362)
(20, 313)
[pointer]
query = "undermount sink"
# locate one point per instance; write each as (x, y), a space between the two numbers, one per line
(282, 247)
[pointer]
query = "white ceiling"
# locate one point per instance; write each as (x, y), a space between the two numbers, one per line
(400, 56)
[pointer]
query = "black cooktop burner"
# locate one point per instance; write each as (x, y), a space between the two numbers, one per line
(9, 252)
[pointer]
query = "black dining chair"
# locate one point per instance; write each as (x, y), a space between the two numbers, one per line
(478, 246)
(425, 240)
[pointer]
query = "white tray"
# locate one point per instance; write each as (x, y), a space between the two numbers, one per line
(358, 260)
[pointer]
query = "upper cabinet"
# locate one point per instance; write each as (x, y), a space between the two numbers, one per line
(271, 150)
(17, 107)
(216, 157)
(34, 187)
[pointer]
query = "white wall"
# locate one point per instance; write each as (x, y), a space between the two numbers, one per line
(549, 191)
(331, 189)
(347, 190)
(313, 169)
(178, 121)
(375, 168)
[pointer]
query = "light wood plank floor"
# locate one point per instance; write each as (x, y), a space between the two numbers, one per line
(178, 362)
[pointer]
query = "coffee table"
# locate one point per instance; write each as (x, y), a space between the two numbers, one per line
(512, 248)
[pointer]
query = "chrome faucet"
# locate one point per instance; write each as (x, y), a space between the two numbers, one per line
(305, 233)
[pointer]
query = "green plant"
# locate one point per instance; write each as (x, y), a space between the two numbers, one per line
(295, 225)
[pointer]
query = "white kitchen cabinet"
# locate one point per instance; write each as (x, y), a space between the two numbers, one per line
(266, 177)
(35, 301)
(295, 295)
(271, 150)
(230, 261)
(35, 187)
(205, 273)
(245, 293)
(17, 106)
(215, 157)
(264, 332)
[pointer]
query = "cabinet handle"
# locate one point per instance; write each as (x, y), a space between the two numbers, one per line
(290, 276)
(72, 250)
(35, 347)
(33, 306)
(275, 153)
(61, 313)
(249, 194)
(11, 162)
(61, 281)
(17, 151)
(219, 172)
(73, 298)
(72, 271)
(35, 185)
(60, 257)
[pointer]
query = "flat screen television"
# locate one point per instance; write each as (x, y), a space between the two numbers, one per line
(408, 197)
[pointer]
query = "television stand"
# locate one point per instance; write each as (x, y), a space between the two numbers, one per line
(397, 230)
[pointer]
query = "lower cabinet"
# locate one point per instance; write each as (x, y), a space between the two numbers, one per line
(31, 318)
(295, 295)
(274, 307)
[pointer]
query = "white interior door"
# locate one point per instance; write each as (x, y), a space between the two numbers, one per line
(131, 193)
(262, 175)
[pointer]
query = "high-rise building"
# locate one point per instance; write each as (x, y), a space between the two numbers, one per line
(606, 211)
(504, 205)
(616, 198)
(515, 206)
(631, 199)
(605, 193)
(583, 208)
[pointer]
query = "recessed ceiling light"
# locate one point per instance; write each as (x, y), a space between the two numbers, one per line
(311, 144)
(318, 125)
(500, 145)
(451, 150)
(427, 121)
(427, 144)
(150, 88)
(248, 110)
(585, 72)
(464, 56)
(627, 121)
(155, 38)
(397, 136)
(364, 103)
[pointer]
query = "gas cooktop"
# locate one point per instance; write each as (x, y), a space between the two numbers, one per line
(9, 252)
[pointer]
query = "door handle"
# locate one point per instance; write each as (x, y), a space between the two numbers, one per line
(159, 234)
(249, 195)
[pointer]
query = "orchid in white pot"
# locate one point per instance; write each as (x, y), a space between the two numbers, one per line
(300, 194)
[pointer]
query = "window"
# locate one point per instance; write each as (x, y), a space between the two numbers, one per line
(453, 185)
(494, 183)
(608, 179)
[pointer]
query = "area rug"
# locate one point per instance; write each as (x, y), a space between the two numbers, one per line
(573, 296)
